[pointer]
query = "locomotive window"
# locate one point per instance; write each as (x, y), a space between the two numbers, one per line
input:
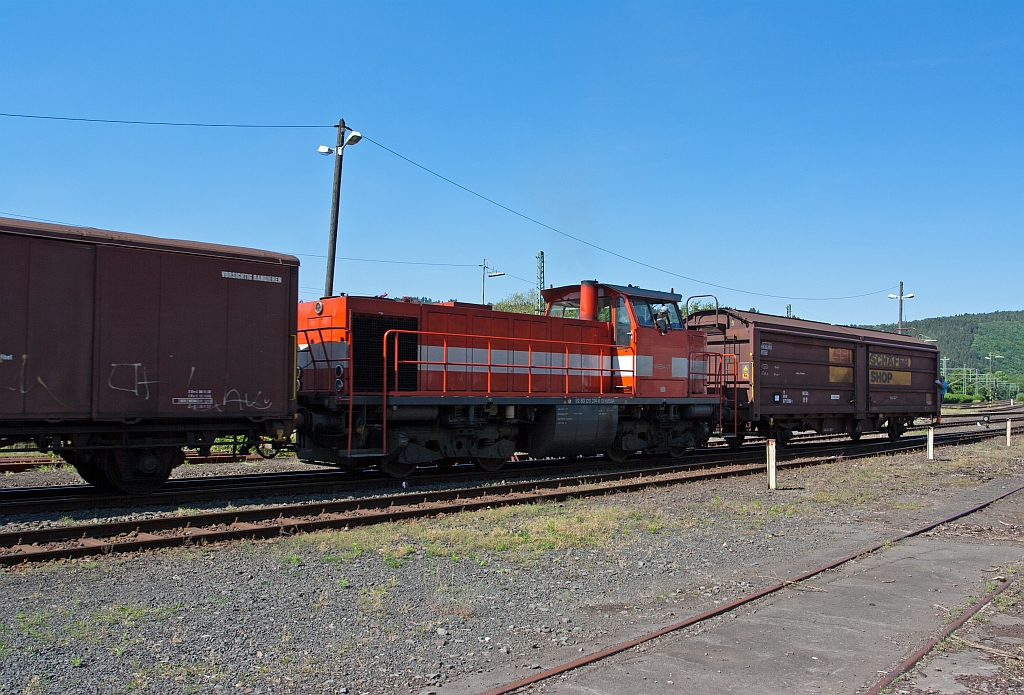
(565, 309)
(621, 322)
(673, 313)
(643, 312)
(604, 309)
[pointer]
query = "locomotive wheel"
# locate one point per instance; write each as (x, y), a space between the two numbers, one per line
(617, 455)
(689, 443)
(139, 471)
(490, 465)
(397, 469)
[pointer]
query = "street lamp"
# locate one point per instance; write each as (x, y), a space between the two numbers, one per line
(488, 272)
(992, 357)
(346, 136)
(901, 297)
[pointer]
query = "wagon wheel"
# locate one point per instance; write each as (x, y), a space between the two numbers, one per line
(85, 462)
(266, 450)
(397, 469)
(855, 436)
(139, 471)
(734, 441)
(895, 431)
(491, 465)
(782, 437)
(617, 455)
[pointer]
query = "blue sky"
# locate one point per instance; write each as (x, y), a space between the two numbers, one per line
(793, 149)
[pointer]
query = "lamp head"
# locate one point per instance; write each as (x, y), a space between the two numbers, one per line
(892, 296)
(353, 137)
(325, 150)
(909, 296)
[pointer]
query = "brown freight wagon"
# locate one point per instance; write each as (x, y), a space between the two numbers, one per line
(792, 374)
(116, 350)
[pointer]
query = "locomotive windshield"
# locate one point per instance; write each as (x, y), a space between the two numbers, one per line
(647, 311)
(570, 309)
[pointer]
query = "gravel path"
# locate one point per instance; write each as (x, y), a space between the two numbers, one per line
(418, 606)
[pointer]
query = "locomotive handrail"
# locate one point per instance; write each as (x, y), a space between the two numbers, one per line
(566, 350)
(507, 368)
(332, 363)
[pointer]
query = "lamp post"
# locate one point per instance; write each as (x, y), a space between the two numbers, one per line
(346, 136)
(901, 297)
(992, 357)
(494, 273)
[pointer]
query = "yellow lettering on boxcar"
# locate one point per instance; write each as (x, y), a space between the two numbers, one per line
(886, 378)
(840, 375)
(840, 355)
(877, 359)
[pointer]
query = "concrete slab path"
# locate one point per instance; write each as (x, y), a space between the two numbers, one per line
(838, 637)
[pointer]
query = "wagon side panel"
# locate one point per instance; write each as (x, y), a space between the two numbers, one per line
(15, 252)
(128, 378)
(901, 380)
(57, 379)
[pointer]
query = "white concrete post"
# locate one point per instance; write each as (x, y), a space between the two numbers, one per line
(931, 443)
(1009, 430)
(771, 463)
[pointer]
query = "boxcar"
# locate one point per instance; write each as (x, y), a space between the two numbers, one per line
(793, 374)
(116, 350)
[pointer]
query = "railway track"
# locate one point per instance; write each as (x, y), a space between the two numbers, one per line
(31, 461)
(180, 491)
(81, 540)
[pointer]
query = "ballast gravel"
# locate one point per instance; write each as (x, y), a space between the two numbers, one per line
(303, 615)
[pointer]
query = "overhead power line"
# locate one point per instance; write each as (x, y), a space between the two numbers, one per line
(379, 260)
(166, 123)
(609, 251)
(532, 220)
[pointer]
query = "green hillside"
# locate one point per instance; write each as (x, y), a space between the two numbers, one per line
(967, 339)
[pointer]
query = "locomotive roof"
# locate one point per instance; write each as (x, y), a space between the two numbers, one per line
(91, 235)
(555, 292)
(749, 317)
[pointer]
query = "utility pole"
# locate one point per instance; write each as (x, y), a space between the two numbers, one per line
(901, 297)
(540, 282)
(495, 273)
(332, 239)
(944, 360)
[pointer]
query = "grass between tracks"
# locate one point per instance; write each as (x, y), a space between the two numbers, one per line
(521, 532)
(524, 532)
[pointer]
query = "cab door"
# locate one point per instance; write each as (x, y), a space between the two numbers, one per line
(661, 357)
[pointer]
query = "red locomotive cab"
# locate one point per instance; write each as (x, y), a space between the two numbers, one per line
(653, 349)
